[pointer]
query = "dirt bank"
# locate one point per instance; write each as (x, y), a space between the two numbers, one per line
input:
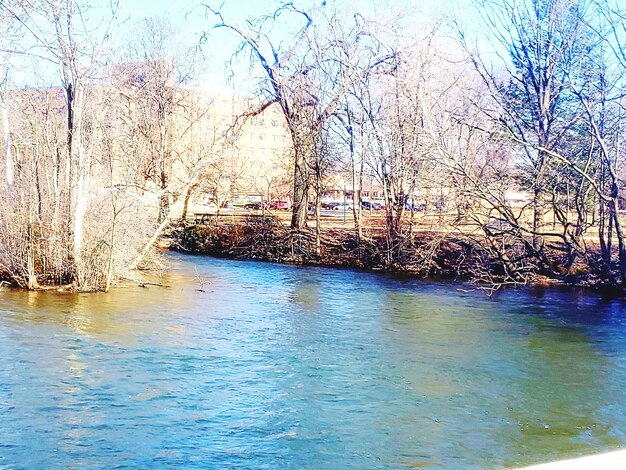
(426, 254)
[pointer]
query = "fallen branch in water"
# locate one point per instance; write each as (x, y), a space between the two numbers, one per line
(144, 283)
(202, 281)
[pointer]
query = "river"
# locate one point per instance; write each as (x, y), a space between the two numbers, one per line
(296, 367)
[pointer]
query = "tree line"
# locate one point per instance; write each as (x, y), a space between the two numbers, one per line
(533, 105)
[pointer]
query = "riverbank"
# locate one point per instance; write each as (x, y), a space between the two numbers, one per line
(426, 254)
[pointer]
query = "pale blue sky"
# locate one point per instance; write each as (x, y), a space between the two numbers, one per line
(191, 20)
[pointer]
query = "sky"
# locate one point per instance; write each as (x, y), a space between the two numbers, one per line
(192, 20)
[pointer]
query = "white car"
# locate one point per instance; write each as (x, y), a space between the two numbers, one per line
(343, 206)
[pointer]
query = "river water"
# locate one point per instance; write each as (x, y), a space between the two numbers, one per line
(290, 367)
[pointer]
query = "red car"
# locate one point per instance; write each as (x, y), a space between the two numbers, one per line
(279, 205)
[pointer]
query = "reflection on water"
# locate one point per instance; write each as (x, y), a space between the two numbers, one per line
(287, 367)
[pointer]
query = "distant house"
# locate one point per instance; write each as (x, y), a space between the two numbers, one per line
(339, 189)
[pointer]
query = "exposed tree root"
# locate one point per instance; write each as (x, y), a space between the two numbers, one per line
(489, 266)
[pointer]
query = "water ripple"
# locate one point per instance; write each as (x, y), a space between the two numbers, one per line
(291, 367)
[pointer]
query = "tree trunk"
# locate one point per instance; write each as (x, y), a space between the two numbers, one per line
(390, 234)
(620, 239)
(356, 193)
(7, 143)
(78, 169)
(164, 206)
(151, 242)
(30, 255)
(537, 219)
(300, 187)
(318, 221)
(186, 203)
(109, 276)
(609, 240)
(397, 221)
(80, 209)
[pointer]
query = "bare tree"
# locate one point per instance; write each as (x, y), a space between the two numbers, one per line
(306, 99)
(532, 99)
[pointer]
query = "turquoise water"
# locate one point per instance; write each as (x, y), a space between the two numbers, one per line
(289, 367)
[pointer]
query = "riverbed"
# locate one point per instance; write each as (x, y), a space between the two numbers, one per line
(276, 366)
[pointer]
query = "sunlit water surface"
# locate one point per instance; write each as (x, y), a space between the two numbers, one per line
(288, 367)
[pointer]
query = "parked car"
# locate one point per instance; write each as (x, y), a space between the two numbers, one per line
(342, 206)
(369, 205)
(254, 206)
(499, 225)
(279, 205)
(415, 207)
(329, 205)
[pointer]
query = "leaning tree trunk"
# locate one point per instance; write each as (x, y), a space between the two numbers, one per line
(186, 203)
